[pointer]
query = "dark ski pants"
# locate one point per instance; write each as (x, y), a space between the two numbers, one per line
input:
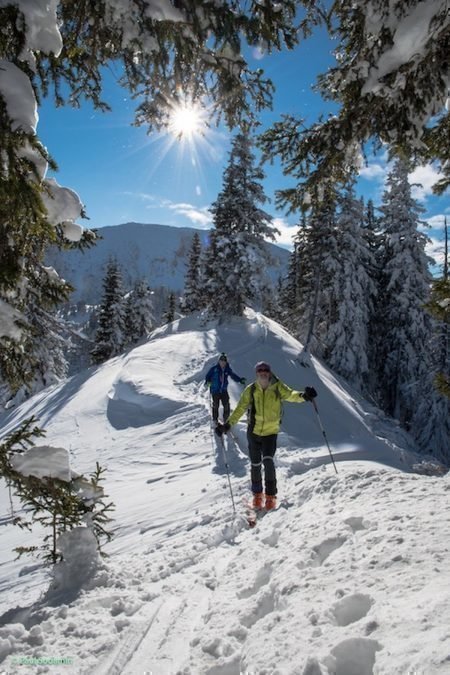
(223, 398)
(262, 451)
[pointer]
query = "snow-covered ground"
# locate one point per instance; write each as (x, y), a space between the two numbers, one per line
(349, 576)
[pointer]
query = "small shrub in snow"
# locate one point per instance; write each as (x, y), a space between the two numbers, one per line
(50, 494)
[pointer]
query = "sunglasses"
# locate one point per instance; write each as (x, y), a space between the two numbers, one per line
(263, 370)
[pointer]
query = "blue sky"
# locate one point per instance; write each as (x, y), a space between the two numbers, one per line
(122, 174)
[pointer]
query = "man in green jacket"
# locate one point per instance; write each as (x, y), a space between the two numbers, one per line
(263, 400)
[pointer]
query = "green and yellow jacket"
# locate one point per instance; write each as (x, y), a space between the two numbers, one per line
(266, 404)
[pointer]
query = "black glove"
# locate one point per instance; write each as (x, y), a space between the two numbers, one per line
(309, 393)
(222, 428)
(242, 380)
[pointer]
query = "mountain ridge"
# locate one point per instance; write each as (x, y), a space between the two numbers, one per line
(157, 253)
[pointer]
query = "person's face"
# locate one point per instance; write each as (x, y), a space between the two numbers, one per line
(222, 363)
(263, 375)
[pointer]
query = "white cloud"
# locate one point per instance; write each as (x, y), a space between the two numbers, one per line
(435, 232)
(435, 249)
(286, 233)
(373, 172)
(436, 223)
(140, 195)
(200, 216)
(426, 176)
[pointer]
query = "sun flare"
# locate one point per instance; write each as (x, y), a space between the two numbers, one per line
(186, 121)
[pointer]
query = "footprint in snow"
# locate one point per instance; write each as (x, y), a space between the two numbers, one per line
(356, 523)
(351, 608)
(312, 667)
(265, 604)
(355, 656)
(262, 578)
(322, 551)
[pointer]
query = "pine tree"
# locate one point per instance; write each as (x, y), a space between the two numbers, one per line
(138, 313)
(211, 294)
(404, 291)
(316, 246)
(431, 422)
(374, 238)
(289, 295)
(192, 301)
(46, 353)
(44, 343)
(110, 336)
(169, 316)
(57, 504)
(32, 354)
(439, 307)
(371, 230)
(237, 274)
(273, 302)
(351, 294)
(392, 96)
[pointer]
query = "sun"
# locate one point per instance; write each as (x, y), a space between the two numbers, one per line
(186, 121)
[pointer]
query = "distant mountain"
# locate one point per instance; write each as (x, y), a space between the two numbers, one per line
(156, 252)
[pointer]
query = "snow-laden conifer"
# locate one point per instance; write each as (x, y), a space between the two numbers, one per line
(289, 293)
(237, 275)
(404, 325)
(439, 307)
(316, 248)
(169, 314)
(192, 300)
(46, 353)
(211, 297)
(374, 239)
(291, 285)
(431, 422)
(38, 358)
(390, 84)
(273, 302)
(110, 336)
(351, 294)
(372, 233)
(139, 317)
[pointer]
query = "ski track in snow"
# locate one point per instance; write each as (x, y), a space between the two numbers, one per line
(297, 577)
(349, 576)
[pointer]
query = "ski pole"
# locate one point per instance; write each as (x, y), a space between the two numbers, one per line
(222, 445)
(323, 432)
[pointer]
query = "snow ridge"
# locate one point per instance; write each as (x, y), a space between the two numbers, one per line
(347, 577)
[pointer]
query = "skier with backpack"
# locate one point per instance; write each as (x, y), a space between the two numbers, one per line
(263, 400)
(217, 379)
